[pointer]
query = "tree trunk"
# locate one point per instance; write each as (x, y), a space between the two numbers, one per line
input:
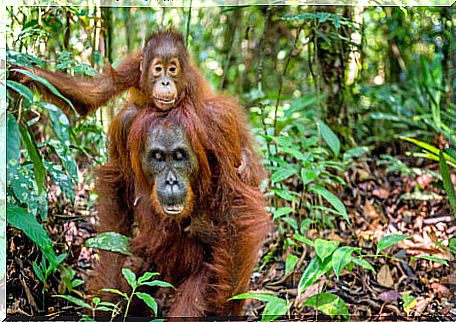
(106, 37)
(332, 57)
(233, 20)
(106, 14)
(394, 63)
(452, 68)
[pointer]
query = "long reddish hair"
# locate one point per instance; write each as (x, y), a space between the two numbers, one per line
(216, 173)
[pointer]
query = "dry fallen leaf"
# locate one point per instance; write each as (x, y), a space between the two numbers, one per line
(384, 277)
(441, 289)
(389, 296)
(381, 193)
(369, 210)
(335, 237)
(421, 305)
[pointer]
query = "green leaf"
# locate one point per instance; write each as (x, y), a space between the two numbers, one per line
(282, 174)
(283, 141)
(265, 297)
(363, 263)
(290, 243)
(103, 308)
(423, 145)
(19, 218)
(304, 240)
(108, 304)
(390, 240)
(56, 261)
(77, 282)
(298, 155)
(113, 290)
(129, 276)
(452, 245)
(67, 275)
(290, 263)
(447, 184)
(158, 283)
(25, 189)
(280, 163)
(451, 154)
(330, 137)
(305, 224)
(426, 155)
(409, 302)
(291, 221)
(341, 257)
(13, 146)
(146, 277)
(323, 208)
(313, 272)
(336, 21)
(75, 300)
(45, 83)
(434, 259)
(86, 318)
(149, 300)
(300, 104)
(111, 241)
(355, 153)
(60, 123)
(332, 199)
(23, 90)
(325, 248)
(309, 143)
(42, 204)
(35, 156)
(284, 194)
(274, 310)
(282, 212)
(67, 160)
(39, 272)
(61, 179)
(22, 59)
(278, 307)
(308, 175)
(329, 304)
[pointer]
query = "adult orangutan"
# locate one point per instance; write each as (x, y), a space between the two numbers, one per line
(199, 225)
(207, 212)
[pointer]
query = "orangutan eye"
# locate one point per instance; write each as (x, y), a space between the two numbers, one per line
(179, 155)
(158, 69)
(157, 156)
(172, 69)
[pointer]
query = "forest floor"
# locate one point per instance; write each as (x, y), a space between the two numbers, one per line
(378, 202)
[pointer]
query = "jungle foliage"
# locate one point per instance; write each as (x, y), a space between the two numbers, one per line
(333, 95)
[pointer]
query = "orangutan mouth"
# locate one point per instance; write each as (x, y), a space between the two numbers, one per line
(173, 210)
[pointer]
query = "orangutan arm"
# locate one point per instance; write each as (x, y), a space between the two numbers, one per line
(86, 94)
